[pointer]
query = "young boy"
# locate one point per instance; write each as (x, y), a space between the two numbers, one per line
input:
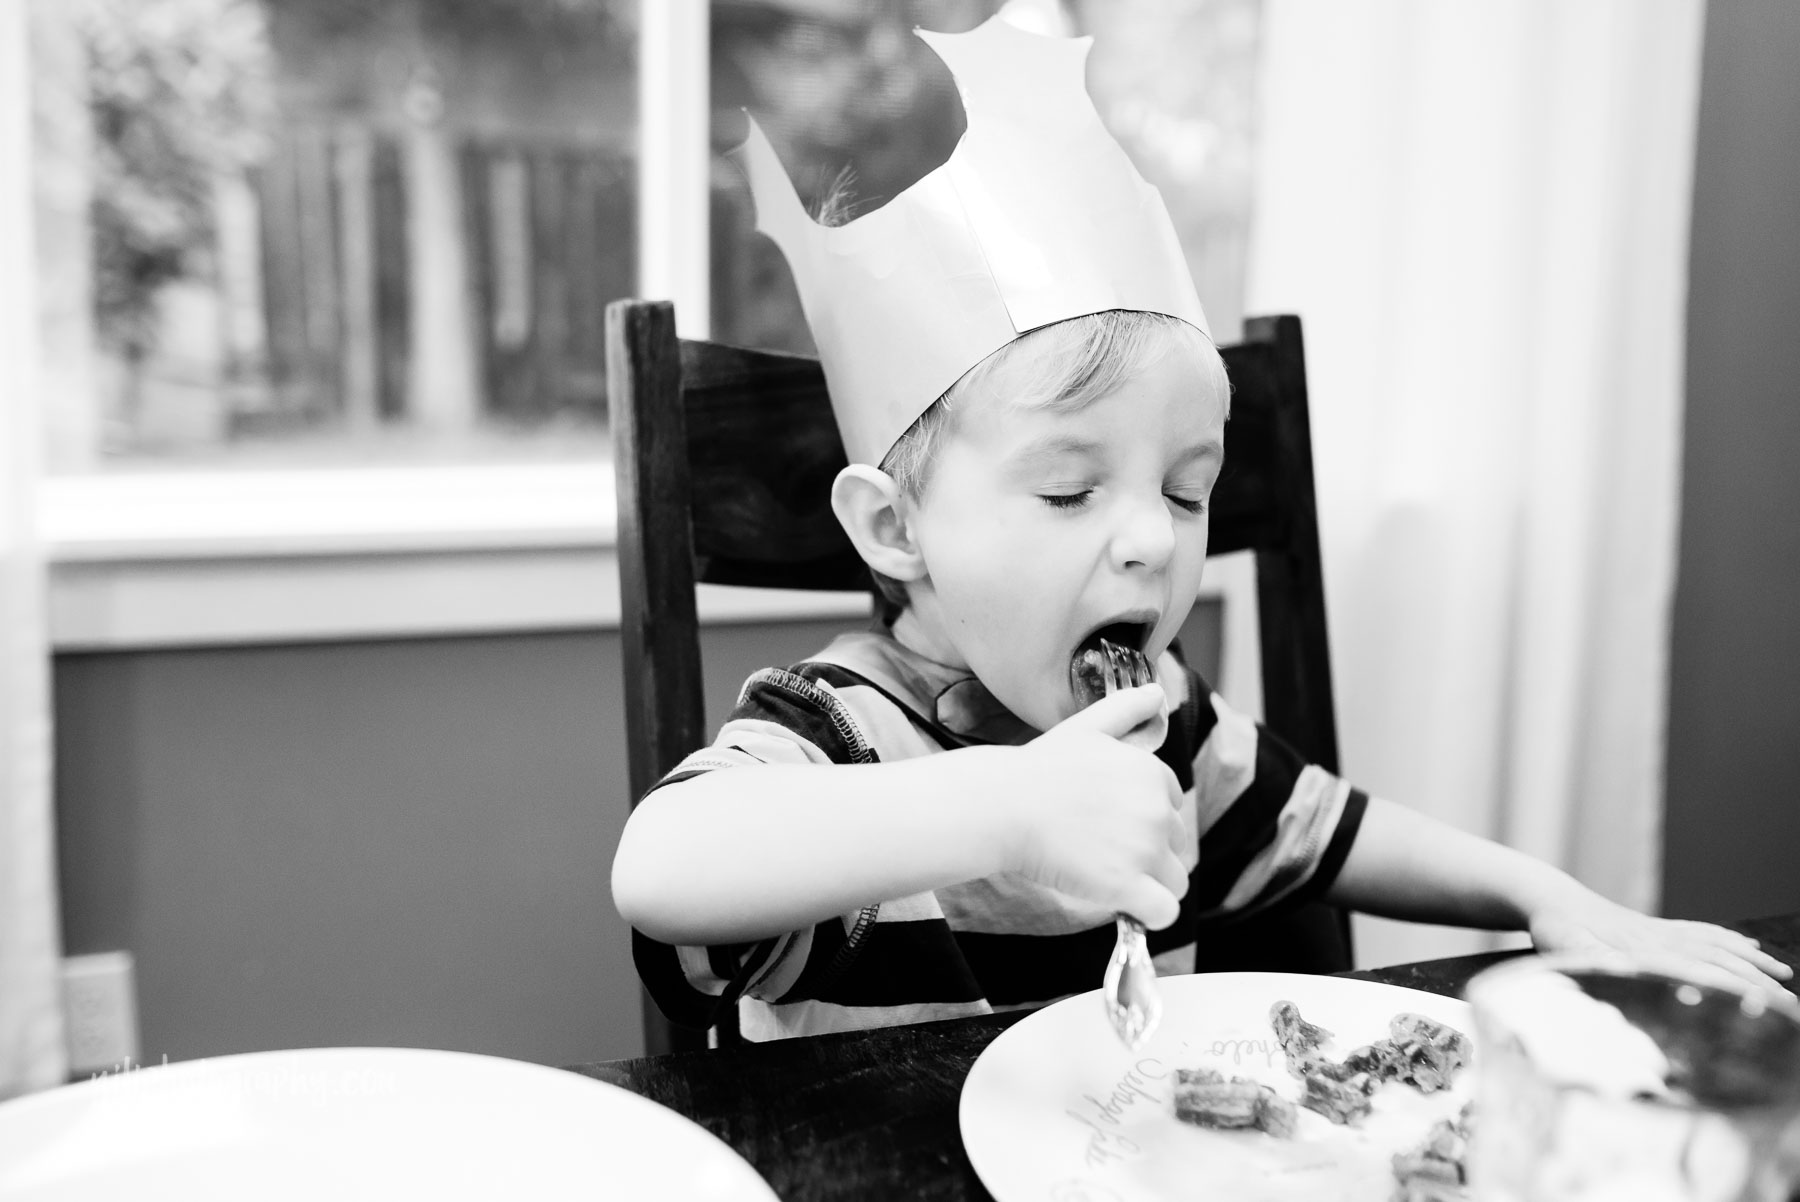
(926, 819)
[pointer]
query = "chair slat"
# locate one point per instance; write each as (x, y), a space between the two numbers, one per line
(763, 449)
(1248, 510)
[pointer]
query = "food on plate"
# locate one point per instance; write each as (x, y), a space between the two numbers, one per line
(1436, 1171)
(1205, 1098)
(1345, 1102)
(1339, 1091)
(1299, 1039)
(1430, 1052)
(1382, 1060)
(1418, 1051)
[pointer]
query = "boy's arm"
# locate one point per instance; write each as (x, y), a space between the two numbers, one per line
(740, 854)
(1410, 866)
(1407, 865)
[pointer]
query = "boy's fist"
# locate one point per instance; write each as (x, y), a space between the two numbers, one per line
(1097, 817)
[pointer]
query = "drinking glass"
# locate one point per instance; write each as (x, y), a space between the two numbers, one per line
(1602, 1078)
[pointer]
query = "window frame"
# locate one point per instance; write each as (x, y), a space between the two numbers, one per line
(218, 558)
(181, 557)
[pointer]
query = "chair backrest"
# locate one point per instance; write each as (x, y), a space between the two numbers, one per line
(724, 459)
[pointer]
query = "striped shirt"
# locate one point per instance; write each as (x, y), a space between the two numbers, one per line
(1265, 829)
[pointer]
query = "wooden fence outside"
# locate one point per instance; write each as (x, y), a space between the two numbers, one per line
(552, 237)
(548, 238)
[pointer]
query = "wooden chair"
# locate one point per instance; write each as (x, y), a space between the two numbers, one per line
(724, 460)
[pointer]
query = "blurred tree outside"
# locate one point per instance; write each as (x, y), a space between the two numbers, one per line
(280, 218)
(180, 100)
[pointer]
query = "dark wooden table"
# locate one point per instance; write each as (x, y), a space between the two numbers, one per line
(872, 1114)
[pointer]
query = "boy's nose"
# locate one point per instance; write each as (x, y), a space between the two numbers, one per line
(1145, 537)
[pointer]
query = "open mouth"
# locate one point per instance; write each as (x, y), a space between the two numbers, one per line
(1111, 655)
(1131, 630)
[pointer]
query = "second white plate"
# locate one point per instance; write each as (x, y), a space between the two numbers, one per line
(355, 1123)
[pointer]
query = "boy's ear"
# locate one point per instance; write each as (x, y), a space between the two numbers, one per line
(873, 512)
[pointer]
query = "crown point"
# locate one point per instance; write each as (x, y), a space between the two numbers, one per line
(1007, 75)
(1038, 216)
(779, 213)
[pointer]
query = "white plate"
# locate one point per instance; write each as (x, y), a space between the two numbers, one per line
(1056, 1109)
(358, 1123)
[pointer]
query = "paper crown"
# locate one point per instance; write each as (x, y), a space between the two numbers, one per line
(1037, 216)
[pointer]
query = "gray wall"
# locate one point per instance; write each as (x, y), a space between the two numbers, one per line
(385, 843)
(1732, 844)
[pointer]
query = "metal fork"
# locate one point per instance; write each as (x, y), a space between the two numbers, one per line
(1133, 1002)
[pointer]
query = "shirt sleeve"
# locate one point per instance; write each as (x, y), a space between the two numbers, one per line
(780, 718)
(1273, 828)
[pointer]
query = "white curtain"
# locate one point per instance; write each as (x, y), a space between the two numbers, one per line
(31, 1038)
(1480, 211)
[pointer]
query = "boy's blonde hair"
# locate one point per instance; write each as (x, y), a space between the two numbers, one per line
(1065, 366)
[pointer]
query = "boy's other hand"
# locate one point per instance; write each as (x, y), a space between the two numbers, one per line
(1099, 819)
(1711, 955)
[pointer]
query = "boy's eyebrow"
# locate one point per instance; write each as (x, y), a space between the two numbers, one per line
(1212, 448)
(1052, 446)
(1055, 446)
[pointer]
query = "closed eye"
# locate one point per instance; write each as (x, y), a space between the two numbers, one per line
(1071, 500)
(1191, 504)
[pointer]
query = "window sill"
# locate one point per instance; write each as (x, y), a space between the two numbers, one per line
(206, 558)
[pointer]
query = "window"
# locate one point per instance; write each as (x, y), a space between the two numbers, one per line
(298, 231)
(357, 252)
(302, 231)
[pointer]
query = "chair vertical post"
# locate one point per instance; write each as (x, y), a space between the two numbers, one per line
(1298, 699)
(659, 629)
(1296, 658)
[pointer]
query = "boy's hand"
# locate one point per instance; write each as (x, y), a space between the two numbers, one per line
(1709, 954)
(1098, 819)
